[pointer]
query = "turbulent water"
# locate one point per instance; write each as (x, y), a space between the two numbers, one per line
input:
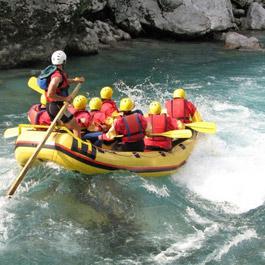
(210, 212)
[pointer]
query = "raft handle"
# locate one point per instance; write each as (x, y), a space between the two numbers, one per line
(136, 155)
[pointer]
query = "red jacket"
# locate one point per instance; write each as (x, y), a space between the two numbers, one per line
(180, 109)
(83, 117)
(62, 89)
(98, 119)
(38, 115)
(132, 126)
(108, 107)
(160, 123)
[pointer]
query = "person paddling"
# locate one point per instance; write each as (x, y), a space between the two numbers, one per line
(57, 91)
(131, 125)
(78, 109)
(158, 123)
(109, 106)
(181, 109)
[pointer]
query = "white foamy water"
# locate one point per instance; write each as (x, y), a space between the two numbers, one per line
(185, 246)
(236, 240)
(226, 167)
(229, 166)
(159, 192)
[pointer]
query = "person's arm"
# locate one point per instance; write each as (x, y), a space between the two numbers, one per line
(51, 92)
(148, 129)
(195, 115)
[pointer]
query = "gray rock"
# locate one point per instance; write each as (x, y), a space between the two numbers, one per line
(182, 17)
(243, 3)
(234, 40)
(256, 17)
(108, 34)
(169, 5)
(239, 12)
(31, 30)
(86, 40)
(95, 5)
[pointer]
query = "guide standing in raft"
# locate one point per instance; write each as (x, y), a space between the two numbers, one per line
(57, 92)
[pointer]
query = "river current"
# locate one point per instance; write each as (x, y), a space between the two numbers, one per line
(210, 212)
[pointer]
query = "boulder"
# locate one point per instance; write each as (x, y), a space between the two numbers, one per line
(32, 29)
(234, 40)
(256, 17)
(179, 17)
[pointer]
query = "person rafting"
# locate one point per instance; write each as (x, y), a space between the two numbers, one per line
(99, 119)
(181, 109)
(158, 123)
(38, 114)
(109, 106)
(98, 122)
(57, 91)
(78, 109)
(130, 125)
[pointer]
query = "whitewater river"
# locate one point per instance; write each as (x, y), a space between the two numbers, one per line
(210, 212)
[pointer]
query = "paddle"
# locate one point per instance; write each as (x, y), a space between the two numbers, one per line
(32, 83)
(202, 126)
(11, 132)
(174, 134)
(23, 172)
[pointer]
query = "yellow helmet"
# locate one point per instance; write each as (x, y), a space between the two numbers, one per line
(80, 102)
(155, 107)
(95, 103)
(43, 100)
(106, 92)
(126, 104)
(179, 93)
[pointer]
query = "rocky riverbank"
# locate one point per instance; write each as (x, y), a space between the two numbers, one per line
(32, 29)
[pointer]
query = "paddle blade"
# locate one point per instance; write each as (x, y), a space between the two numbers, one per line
(175, 134)
(11, 132)
(203, 126)
(33, 84)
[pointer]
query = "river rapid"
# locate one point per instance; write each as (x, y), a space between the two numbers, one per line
(210, 212)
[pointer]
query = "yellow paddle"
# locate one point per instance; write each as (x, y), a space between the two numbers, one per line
(174, 134)
(23, 172)
(169, 134)
(11, 132)
(202, 126)
(32, 83)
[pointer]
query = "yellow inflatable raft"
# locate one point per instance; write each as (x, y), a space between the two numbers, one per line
(71, 153)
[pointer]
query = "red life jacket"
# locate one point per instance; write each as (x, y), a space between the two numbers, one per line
(38, 115)
(178, 109)
(108, 107)
(83, 118)
(98, 118)
(159, 124)
(133, 128)
(62, 89)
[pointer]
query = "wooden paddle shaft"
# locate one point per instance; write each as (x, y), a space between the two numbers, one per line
(25, 169)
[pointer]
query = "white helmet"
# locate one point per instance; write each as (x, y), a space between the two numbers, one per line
(58, 57)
